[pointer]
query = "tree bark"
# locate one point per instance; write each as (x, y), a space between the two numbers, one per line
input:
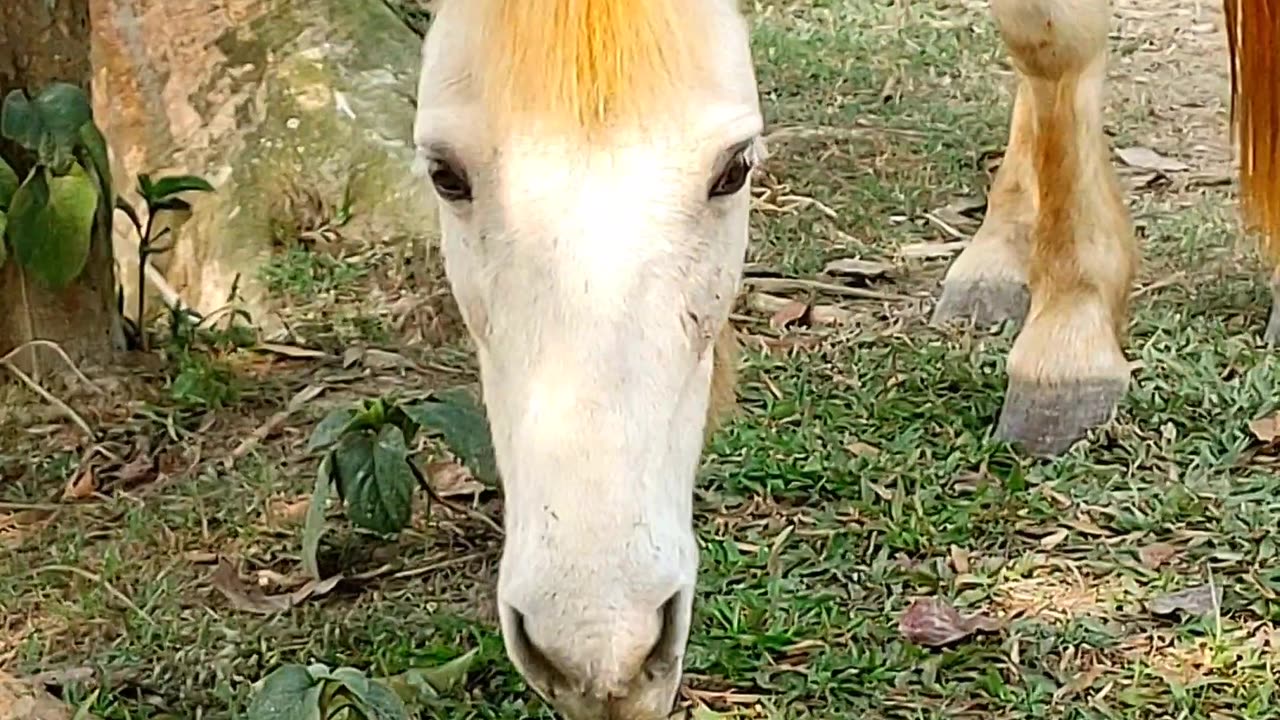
(264, 98)
(43, 42)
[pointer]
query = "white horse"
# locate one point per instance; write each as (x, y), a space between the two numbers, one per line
(592, 160)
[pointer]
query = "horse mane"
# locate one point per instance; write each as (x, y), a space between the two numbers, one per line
(1253, 32)
(586, 64)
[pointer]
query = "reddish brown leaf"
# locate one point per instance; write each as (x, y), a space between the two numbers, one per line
(1157, 554)
(82, 486)
(1266, 429)
(226, 580)
(451, 479)
(934, 622)
(793, 312)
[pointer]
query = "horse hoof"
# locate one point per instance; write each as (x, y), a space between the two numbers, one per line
(985, 302)
(1045, 419)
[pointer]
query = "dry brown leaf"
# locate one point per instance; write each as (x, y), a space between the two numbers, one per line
(793, 312)
(226, 580)
(1144, 158)
(1156, 554)
(853, 267)
(82, 485)
(929, 250)
(1051, 541)
(451, 479)
(1266, 429)
(857, 448)
(22, 699)
(1198, 600)
(933, 622)
(285, 511)
(292, 351)
(818, 314)
(960, 560)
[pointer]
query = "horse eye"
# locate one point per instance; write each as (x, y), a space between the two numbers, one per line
(733, 177)
(450, 183)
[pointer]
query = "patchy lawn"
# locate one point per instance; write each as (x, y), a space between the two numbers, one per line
(860, 476)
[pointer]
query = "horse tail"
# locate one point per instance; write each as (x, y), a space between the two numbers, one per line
(1253, 41)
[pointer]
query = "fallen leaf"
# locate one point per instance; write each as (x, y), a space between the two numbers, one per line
(23, 699)
(283, 511)
(933, 622)
(352, 356)
(1144, 158)
(960, 560)
(793, 312)
(929, 250)
(451, 479)
(853, 267)
(199, 557)
(857, 448)
(1053, 540)
(291, 351)
(82, 485)
(1156, 554)
(818, 314)
(226, 580)
(1266, 429)
(1198, 600)
(383, 359)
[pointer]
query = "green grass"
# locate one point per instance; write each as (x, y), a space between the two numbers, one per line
(862, 473)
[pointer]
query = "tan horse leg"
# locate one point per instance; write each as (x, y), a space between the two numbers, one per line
(988, 282)
(1067, 371)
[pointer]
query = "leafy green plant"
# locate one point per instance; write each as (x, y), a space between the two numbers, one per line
(160, 196)
(367, 460)
(47, 219)
(314, 692)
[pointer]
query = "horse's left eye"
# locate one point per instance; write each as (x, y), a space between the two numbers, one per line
(733, 177)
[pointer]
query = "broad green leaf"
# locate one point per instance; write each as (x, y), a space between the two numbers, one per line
(145, 186)
(313, 529)
(353, 462)
(330, 429)
(9, 183)
(63, 109)
(50, 124)
(288, 693)
(455, 415)
(381, 703)
(421, 685)
(4, 244)
(96, 147)
(19, 121)
(373, 699)
(382, 501)
(166, 187)
(51, 225)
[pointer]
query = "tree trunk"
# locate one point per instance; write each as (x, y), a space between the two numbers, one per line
(43, 42)
(265, 99)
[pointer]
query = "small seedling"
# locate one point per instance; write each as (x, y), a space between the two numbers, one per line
(367, 460)
(160, 196)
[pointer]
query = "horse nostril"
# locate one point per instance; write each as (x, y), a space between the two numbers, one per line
(537, 667)
(665, 656)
